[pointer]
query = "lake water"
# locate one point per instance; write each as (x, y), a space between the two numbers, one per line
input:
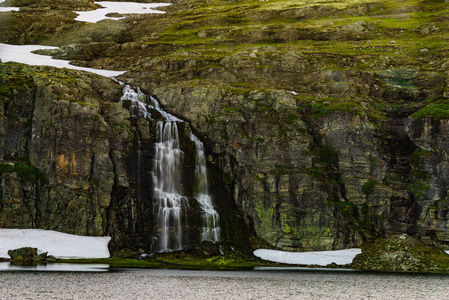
(254, 284)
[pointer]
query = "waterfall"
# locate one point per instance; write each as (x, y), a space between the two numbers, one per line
(140, 105)
(167, 186)
(170, 205)
(210, 230)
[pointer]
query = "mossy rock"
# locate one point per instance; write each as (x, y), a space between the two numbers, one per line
(401, 253)
(26, 254)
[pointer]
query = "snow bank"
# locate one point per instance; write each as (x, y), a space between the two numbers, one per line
(23, 54)
(321, 258)
(3, 9)
(57, 244)
(118, 7)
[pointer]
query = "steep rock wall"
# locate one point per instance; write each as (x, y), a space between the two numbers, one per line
(323, 174)
(73, 160)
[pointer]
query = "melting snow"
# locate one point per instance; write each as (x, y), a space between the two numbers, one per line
(57, 244)
(4, 9)
(321, 258)
(118, 7)
(23, 54)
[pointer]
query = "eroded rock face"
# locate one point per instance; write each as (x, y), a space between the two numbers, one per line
(314, 176)
(67, 143)
(76, 162)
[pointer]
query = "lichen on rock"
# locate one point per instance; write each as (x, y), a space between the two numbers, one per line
(401, 253)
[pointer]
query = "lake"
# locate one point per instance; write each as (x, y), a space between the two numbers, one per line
(252, 284)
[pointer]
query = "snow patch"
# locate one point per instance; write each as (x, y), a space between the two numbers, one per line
(320, 258)
(5, 9)
(57, 244)
(118, 7)
(23, 54)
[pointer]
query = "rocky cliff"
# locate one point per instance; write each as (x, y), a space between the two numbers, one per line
(325, 123)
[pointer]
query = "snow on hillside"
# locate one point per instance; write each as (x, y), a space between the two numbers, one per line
(94, 16)
(23, 54)
(57, 244)
(4, 9)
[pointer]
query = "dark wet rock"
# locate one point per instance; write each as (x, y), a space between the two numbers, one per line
(27, 254)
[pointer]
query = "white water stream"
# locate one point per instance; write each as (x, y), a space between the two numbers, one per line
(172, 206)
(170, 203)
(211, 220)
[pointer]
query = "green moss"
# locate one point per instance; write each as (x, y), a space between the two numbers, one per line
(421, 184)
(419, 189)
(436, 111)
(14, 77)
(261, 178)
(368, 187)
(24, 169)
(11, 116)
(175, 261)
(316, 172)
(401, 253)
(328, 155)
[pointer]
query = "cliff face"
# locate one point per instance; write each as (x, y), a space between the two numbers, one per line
(64, 148)
(74, 160)
(325, 125)
(313, 176)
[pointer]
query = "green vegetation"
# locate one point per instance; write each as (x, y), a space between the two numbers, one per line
(401, 253)
(368, 187)
(329, 155)
(14, 77)
(421, 184)
(230, 260)
(23, 168)
(436, 111)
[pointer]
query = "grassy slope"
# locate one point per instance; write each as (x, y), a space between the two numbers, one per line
(395, 39)
(405, 41)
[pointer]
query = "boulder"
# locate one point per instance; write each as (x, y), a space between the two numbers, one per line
(27, 254)
(401, 253)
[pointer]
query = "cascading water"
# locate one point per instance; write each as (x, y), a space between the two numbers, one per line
(167, 178)
(211, 228)
(170, 205)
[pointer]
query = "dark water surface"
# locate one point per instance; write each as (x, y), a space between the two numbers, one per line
(257, 284)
